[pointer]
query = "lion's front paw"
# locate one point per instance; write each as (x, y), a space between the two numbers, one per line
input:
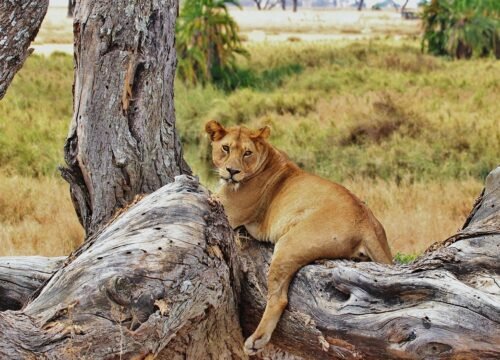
(256, 343)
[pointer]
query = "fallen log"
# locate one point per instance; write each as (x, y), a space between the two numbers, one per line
(446, 304)
(162, 273)
(19, 24)
(21, 276)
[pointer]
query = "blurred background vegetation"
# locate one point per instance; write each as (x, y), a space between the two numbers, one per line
(413, 134)
(207, 42)
(462, 28)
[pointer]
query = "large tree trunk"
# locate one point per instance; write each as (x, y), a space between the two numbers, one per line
(19, 24)
(444, 305)
(122, 140)
(160, 280)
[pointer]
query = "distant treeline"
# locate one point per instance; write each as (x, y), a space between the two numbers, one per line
(354, 4)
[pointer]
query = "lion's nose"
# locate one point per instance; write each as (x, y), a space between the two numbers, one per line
(232, 172)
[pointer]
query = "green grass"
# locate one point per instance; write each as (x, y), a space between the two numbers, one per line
(374, 109)
(35, 116)
(401, 258)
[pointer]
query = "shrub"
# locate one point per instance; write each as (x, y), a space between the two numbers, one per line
(207, 42)
(459, 28)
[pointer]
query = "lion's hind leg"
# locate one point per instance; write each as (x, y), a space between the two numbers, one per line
(286, 261)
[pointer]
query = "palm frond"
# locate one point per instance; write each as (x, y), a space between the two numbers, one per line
(207, 41)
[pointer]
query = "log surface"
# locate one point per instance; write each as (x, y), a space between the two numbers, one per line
(21, 276)
(162, 273)
(19, 25)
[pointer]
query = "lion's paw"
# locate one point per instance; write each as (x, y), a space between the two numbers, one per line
(255, 343)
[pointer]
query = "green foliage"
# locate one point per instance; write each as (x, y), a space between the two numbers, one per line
(208, 42)
(401, 258)
(35, 115)
(371, 110)
(461, 28)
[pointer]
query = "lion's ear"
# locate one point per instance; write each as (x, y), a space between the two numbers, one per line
(262, 133)
(215, 130)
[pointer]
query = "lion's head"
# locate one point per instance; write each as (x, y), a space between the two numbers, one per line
(238, 152)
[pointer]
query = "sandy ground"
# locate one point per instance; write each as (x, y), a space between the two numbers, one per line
(263, 26)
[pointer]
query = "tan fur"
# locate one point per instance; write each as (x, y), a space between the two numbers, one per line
(307, 217)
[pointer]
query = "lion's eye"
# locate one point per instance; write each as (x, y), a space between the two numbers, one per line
(247, 153)
(225, 148)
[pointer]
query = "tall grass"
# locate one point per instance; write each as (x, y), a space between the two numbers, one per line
(415, 215)
(413, 135)
(37, 217)
(374, 109)
(35, 115)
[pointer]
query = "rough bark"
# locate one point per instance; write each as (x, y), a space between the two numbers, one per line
(19, 24)
(164, 278)
(161, 280)
(21, 276)
(122, 140)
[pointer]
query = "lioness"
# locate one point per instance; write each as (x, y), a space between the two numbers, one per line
(307, 217)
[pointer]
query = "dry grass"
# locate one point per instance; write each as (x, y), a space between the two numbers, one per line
(56, 28)
(385, 119)
(419, 214)
(37, 217)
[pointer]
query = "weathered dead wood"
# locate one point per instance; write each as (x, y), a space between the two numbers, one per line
(444, 305)
(122, 139)
(21, 276)
(161, 274)
(19, 24)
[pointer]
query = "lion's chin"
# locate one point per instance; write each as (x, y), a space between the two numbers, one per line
(230, 183)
